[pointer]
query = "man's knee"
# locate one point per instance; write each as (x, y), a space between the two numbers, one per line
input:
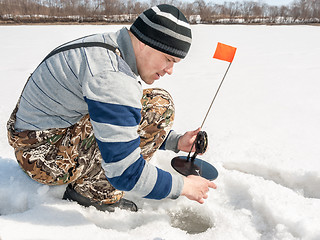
(157, 116)
(157, 107)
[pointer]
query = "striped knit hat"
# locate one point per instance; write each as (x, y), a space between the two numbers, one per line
(165, 28)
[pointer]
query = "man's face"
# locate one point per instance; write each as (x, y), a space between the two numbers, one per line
(153, 64)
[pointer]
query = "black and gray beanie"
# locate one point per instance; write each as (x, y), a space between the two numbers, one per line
(165, 28)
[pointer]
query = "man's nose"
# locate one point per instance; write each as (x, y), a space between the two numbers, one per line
(169, 69)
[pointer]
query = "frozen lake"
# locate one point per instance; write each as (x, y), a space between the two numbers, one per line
(263, 138)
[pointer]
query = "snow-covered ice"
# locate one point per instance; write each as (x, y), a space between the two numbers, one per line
(263, 130)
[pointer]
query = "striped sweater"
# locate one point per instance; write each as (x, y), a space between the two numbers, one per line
(91, 79)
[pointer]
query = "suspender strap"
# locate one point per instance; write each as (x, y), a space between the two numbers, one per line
(79, 45)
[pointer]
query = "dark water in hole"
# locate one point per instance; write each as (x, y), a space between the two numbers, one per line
(190, 221)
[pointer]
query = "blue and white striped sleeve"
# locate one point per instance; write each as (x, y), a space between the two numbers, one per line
(113, 100)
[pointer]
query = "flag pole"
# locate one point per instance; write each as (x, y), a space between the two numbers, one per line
(225, 53)
(215, 95)
(195, 166)
(210, 106)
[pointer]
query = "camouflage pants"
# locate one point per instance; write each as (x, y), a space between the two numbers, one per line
(71, 155)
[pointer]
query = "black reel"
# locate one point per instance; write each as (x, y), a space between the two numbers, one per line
(195, 166)
(201, 144)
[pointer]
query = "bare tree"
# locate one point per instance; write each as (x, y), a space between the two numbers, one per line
(112, 7)
(203, 10)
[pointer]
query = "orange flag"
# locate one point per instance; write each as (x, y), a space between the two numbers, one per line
(225, 52)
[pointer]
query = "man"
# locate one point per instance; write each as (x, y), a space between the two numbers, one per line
(84, 120)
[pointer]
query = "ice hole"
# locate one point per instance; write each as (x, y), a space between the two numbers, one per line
(191, 221)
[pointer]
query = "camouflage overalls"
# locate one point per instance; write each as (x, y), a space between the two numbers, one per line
(71, 155)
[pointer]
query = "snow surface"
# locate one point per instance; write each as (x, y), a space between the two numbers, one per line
(263, 138)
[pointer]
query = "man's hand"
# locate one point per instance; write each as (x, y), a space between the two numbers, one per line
(185, 142)
(196, 188)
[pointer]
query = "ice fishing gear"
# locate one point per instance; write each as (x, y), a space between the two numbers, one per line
(200, 143)
(192, 165)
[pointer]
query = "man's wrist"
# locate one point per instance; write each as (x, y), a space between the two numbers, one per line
(172, 141)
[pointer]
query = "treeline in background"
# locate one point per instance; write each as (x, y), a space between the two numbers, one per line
(120, 11)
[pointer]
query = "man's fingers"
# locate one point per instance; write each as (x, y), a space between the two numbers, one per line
(212, 185)
(196, 188)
